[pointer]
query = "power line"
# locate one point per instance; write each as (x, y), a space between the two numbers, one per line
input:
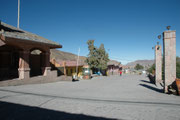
(120, 59)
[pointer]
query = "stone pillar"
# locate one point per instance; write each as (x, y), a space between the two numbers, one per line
(24, 69)
(169, 42)
(158, 64)
(46, 63)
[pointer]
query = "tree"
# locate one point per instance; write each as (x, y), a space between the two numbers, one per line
(92, 58)
(103, 58)
(151, 69)
(138, 67)
(97, 58)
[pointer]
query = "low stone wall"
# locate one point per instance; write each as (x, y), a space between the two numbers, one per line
(52, 77)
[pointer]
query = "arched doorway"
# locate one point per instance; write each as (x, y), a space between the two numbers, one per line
(35, 60)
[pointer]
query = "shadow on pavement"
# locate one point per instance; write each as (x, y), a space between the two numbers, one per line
(11, 111)
(146, 81)
(152, 88)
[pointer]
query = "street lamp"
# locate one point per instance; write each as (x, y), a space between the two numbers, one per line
(159, 36)
(168, 27)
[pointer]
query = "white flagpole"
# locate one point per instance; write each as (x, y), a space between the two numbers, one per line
(18, 13)
(77, 62)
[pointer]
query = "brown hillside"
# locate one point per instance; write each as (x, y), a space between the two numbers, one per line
(60, 55)
(145, 63)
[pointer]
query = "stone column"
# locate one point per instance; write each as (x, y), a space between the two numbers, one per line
(24, 69)
(169, 41)
(46, 63)
(158, 64)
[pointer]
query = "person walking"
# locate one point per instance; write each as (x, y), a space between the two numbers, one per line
(120, 72)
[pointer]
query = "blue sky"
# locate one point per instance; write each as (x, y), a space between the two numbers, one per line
(128, 28)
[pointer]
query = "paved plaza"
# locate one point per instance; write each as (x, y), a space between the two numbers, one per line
(129, 97)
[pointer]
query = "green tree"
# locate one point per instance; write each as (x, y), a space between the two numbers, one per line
(97, 58)
(92, 58)
(138, 67)
(103, 58)
(151, 69)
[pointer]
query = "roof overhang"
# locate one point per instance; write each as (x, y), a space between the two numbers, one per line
(12, 40)
(74, 66)
(10, 33)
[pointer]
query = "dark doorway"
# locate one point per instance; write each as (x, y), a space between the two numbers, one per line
(9, 62)
(35, 63)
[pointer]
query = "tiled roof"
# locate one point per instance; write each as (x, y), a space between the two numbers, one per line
(13, 32)
(113, 62)
(70, 63)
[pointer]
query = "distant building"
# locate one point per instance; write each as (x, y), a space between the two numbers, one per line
(113, 67)
(68, 67)
(17, 59)
(126, 69)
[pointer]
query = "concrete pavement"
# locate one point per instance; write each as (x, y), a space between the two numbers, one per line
(114, 97)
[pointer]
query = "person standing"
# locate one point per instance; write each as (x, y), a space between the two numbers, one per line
(120, 71)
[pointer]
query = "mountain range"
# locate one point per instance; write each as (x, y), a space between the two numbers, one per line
(145, 63)
(61, 55)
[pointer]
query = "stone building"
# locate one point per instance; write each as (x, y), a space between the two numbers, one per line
(16, 53)
(113, 67)
(68, 67)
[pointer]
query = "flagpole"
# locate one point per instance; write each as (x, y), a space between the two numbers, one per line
(18, 13)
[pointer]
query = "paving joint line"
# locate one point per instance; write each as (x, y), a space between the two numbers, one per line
(45, 102)
(7, 96)
(95, 100)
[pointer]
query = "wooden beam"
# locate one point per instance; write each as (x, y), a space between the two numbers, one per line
(2, 39)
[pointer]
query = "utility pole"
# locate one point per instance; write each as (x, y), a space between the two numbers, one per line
(18, 13)
(77, 62)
